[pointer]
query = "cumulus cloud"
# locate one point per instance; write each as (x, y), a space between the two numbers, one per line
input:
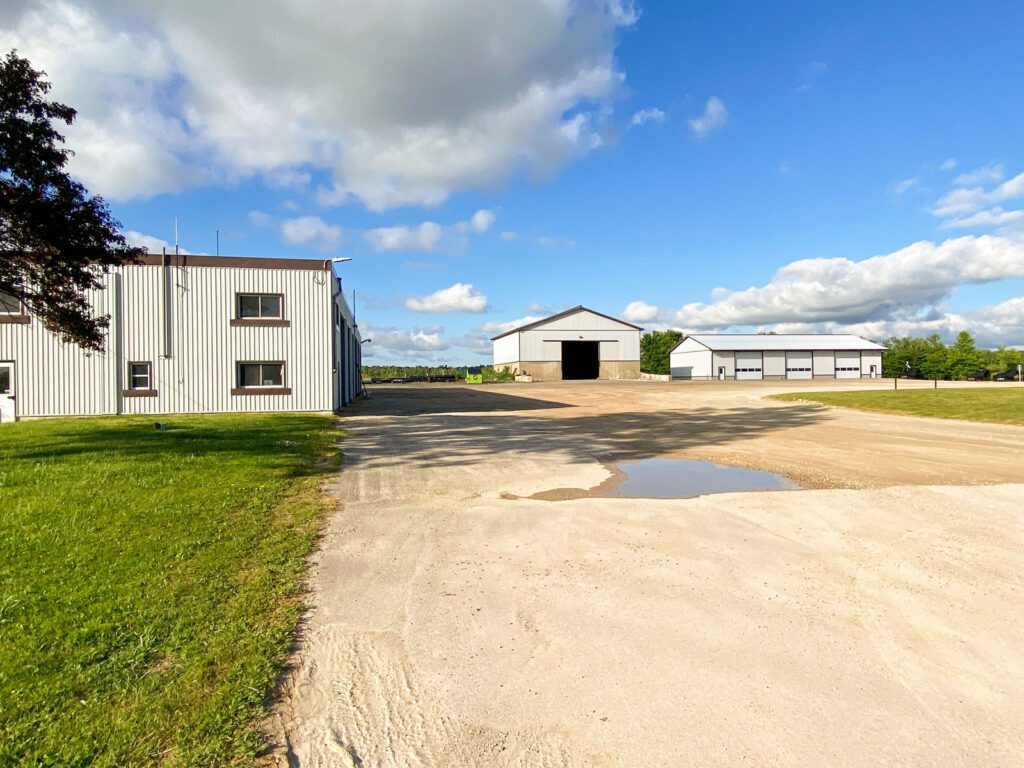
(839, 290)
(988, 174)
(482, 221)
(430, 339)
(898, 293)
(639, 312)
(645, 116)
(714, 117)
(496, 328)
(461, 297)
(948, 164)
(311, 232)
(425, 237)
(400, 103)
(993, 217)
(969, 199)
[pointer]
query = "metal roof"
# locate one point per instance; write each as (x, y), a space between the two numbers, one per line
(559, 316)
(794, 342)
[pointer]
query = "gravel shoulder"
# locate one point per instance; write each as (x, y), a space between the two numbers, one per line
(871, 619)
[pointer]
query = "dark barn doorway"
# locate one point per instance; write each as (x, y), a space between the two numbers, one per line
(580, 360)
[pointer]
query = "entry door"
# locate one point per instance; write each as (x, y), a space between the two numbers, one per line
(7, 412)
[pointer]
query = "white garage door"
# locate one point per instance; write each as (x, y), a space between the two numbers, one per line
(798, 365)
(847, 365)
(749, 365)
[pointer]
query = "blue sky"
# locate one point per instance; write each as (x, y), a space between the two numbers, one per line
(703, 165)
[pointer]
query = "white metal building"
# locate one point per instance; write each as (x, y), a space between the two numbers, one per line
(775, 356)
(576, 344)
(192, 334)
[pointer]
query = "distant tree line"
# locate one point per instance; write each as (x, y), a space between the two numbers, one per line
(429, 372)
(930, 358)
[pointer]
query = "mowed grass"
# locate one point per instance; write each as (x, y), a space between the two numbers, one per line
(1004, 406)
(150, 583)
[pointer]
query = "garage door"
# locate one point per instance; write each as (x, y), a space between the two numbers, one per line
(798, 365)
(749, 365)
(847, 365)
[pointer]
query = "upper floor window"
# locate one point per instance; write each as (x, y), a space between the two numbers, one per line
(9, 304)
(260, 306)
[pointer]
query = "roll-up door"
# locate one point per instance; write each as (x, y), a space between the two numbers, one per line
(799, 365)
(847, 365)
(749, 365)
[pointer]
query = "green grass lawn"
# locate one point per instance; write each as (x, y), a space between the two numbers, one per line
(1004, 406)
(150, 583)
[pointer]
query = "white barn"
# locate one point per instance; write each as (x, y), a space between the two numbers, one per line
(576, 344)
(750, 356)
(192, 334)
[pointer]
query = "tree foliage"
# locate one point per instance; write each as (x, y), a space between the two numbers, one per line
(930, 358)
(56, 241)
(655, 347)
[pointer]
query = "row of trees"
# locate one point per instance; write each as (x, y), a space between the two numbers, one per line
(930, 358)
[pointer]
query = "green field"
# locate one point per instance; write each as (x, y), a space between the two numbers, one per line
(1004, 406)
(150, 583)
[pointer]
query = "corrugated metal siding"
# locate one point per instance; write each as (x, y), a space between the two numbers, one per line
(506, 349)
(541, 345)
(584, 321)
(57, 379)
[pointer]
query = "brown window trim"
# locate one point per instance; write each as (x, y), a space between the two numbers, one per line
(258, 322)
(138, 393)
(11, 319)
(261, 391)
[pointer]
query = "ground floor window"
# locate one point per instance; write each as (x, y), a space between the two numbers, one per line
(260, 375)
(840, 368)
(140, 376)
(6, 385)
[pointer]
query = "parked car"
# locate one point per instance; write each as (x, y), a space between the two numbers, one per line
(979, 375)
(1005, 376)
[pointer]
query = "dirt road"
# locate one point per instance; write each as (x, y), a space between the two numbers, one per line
(872, 619)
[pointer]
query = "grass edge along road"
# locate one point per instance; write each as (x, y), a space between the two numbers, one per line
(151, 583)
(998, 406)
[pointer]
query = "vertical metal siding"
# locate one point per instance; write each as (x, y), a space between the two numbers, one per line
(56, 379)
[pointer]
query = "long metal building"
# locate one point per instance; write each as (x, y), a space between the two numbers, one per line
(576, 344)
(751, 356)
(192, 334)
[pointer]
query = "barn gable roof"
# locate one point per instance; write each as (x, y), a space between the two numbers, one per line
(559, 316)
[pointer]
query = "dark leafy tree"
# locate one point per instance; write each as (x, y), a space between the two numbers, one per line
(56, 241)
(964, 359)
(655, 347)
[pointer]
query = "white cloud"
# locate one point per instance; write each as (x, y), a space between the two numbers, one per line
(482, 221)
(992, 173)
(899, 188)
(508, 236)
(714, 117)
(993, 217)
(260, 219)
(496, 328)
(539, 309)
(948, 164)
(402, 102)
(461, 297)
(639, 312)
(969, 199)
(311, 232)
(897, 286)
(645, 116)
(430, 339)
(425, 237)
(150, 243)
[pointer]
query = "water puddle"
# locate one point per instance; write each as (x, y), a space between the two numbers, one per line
(684, 478)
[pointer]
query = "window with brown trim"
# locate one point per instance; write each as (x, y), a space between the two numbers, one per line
(260, 310)
(9, 304)
(12, 311)
(260, 378)
(140, 380)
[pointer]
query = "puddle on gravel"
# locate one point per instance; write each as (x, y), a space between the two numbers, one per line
(671, 479)
(684, 478)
